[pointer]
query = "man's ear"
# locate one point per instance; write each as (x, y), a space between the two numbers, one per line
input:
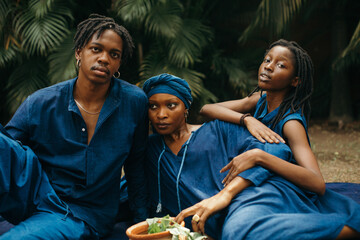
(77, 54)
(295, 81)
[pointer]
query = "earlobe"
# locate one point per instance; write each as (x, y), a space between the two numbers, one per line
(295, 82)
(77, 54)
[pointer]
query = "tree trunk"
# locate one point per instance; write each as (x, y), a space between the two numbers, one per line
(340, 107)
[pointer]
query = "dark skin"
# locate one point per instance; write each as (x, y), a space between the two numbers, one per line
(99, 59)
(276, 76)
(167, 115)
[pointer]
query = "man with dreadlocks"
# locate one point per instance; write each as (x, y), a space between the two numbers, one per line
(82, 131)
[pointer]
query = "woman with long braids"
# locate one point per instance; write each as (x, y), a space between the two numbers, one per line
(262, 202)
(286, 74)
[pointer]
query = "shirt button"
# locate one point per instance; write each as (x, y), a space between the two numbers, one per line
(83, 129)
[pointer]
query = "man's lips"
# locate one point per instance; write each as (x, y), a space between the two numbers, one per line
(101, 69)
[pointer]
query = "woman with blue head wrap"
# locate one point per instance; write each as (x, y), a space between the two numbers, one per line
(166, 83)
(184, 178)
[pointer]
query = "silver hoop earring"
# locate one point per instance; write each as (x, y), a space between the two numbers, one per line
(117, 74)
(78, 63)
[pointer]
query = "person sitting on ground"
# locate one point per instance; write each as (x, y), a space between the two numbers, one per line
(82, 131)
(286, 74)
(184, 164)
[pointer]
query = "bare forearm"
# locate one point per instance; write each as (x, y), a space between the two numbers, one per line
(216, 111)
(237, 185)
(296, 174)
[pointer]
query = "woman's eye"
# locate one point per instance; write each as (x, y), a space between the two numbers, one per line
(172, 105)
(281, 65)
(266, 60)
(152, 106)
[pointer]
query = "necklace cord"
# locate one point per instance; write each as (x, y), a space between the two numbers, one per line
(159, 206)
(91, 113)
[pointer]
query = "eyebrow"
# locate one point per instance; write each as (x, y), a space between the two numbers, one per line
(101, 45)
(281, 57)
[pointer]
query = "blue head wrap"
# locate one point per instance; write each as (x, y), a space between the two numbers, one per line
(167, 83)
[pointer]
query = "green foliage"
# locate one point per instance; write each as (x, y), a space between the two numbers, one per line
(194, 39)
(274, 16)
(350, 55)
(166, 223)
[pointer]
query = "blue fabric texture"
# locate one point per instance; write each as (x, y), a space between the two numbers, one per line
(266, 117)
(167, 83)
(87, 176)
(27, 198)
(273, 208)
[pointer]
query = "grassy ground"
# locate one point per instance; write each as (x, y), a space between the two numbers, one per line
(337, 150)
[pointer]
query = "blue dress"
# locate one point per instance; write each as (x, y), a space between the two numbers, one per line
(266, 117)
(272, 208)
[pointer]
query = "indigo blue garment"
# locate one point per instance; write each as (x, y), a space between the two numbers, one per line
(87, 177)
(26, 193)
(266, 117)
(211, 147)
(170, 84)
(271, 200)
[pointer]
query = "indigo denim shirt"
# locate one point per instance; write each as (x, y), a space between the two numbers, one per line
(87, 176)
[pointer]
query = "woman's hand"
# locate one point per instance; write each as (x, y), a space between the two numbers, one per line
(261, 132)
(204, 210)
(240, 163)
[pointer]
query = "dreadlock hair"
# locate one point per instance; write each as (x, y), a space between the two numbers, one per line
(98, 24)
(299, 96)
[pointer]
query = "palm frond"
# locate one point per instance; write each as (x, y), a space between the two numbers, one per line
(41, 35)
(238, 78)
(351, 54)
(274, 16)
(26, 79)
(40, 8)
(133, 11)
(62, 61)
(164, 19)
(5, 8)
(8, 54)
(155, 64)
(189, 42)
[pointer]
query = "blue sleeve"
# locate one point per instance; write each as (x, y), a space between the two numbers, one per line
(19, 126)
(239, 140)
(134, 167)
(257, 175)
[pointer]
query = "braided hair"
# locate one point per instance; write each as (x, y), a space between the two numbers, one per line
(98, 24)
(299, 96)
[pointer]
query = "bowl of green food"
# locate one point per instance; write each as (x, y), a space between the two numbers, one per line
(164, 228)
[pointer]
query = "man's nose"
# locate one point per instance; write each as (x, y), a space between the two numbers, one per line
(104, 57)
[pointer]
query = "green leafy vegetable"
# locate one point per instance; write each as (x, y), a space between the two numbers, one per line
(166, 223)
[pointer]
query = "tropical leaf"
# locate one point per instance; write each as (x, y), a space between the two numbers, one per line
(164, 19)
(26, 79)
(8, 54)
(5, 8)
(40, 8)
(274, 16)
(40, 35)
(350, 55)
(133, 11)
(187, 46)
(62, 61)
(155, 64)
